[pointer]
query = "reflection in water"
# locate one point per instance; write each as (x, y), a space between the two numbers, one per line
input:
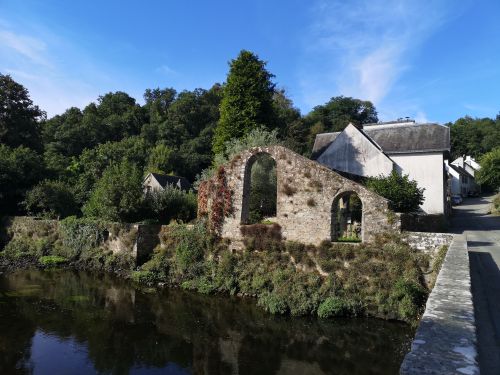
(57, 322)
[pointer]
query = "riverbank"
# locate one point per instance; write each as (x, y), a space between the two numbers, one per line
(383, 279)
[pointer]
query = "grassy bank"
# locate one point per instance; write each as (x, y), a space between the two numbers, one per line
(382, 279)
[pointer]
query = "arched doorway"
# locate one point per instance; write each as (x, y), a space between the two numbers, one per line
(347, 218)
(259, 189)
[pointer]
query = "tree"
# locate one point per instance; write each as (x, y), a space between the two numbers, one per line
(247, 101)
(161, 159)
(52, 199)
(339, 111)
(117, 196)
(489, 174)
(19, 117)
(20, 169)
(404, 194)
(474, 136)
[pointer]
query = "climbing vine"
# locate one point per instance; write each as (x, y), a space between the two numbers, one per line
(222, 204)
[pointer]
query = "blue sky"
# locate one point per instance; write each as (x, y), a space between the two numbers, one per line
(430, 60)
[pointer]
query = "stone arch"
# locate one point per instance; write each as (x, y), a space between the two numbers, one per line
(247, 185)
(347, 217)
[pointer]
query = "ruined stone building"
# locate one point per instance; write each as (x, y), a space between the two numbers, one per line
(313, 203)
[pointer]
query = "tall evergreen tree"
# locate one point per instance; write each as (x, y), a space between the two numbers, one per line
(247, 101)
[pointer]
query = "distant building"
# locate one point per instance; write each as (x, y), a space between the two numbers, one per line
(158, 182)
(462, 176)
(417, 150)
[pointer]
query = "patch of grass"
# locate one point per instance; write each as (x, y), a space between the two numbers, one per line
(311, 202)
(288, 190)
(348, 239)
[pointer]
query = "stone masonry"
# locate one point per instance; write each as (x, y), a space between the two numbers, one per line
(445, 342)
(306, 192)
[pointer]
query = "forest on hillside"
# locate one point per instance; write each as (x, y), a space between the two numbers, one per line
(91, 161)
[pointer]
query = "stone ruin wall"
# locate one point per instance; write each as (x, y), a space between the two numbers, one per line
(306, 191)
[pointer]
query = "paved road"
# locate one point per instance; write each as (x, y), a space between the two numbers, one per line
(483, 241)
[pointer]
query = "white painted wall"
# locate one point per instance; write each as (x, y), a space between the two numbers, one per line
(352, 152)
(427, 170)
(455, 182)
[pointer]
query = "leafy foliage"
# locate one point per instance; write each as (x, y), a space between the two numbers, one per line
(171, 203)
(247, 101)
(474, 136)
(117, 196)
(51, 199)
(489, 174)
(403, 193)
(19, 117)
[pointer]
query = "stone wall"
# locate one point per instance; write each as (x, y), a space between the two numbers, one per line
(137, 239)
(445, 342)
(427, 242)
(306, 191)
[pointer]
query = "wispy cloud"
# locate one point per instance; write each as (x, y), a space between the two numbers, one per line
(364, 46)
(166, 70)
(35, 61)
(31, 48)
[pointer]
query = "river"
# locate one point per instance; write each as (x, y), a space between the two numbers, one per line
(70, 322)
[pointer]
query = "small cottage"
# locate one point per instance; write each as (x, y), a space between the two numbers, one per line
(158, 182)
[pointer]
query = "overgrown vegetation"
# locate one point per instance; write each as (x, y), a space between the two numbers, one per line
(383, 279)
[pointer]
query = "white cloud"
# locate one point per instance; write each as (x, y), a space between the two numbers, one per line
(32, 48)
(362, 47)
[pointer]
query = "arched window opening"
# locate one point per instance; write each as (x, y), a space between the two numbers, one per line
(347, 218)
(260, 189)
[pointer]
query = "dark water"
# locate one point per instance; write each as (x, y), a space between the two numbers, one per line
(65, 322)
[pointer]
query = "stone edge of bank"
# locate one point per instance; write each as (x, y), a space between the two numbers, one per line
(445, 342)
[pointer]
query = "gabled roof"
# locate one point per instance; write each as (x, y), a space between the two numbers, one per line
(460, 170)
(164, 180)
(398, 138)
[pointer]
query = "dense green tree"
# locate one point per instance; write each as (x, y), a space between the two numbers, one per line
(247, 101)
(19, 117)
(158, 102)
(117, 195)
(91, 164)
(474, 136)
(161, 159)
(20, 169)
(403, 193)
(339, 111)
(52, 199)
(489, 174)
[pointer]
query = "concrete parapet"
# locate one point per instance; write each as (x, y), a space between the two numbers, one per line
(445, 342)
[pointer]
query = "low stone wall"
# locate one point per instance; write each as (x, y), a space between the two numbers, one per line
(445, 342)
(137, 239)
(424, 223)
(427, 242)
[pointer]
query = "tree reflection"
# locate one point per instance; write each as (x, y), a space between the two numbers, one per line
(123, 329)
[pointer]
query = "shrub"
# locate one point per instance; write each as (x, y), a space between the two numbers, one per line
(404, 194)
(80, 235)
(334, 306)
(169, 204)
(288, 190)
(52, 260)
(51, 199)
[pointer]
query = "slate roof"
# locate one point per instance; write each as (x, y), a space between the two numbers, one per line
(460, 170)
(397, 138)
(164, 180)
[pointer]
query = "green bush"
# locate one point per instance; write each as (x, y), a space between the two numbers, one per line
(171, 204)
(26, 247)
(338, 306)
(404, 194)
(52, 260)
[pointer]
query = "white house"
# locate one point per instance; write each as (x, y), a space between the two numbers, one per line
(467, 167)
(158, 182)
(413, 149)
